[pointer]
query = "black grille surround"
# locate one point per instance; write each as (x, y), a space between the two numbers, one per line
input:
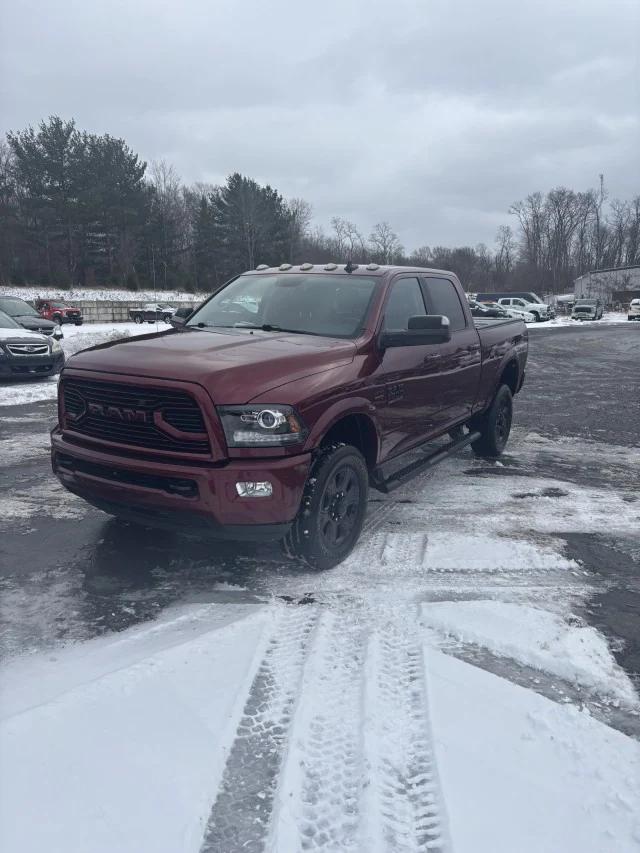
(155, 419)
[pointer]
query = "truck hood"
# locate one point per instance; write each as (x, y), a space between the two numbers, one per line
(234, 365)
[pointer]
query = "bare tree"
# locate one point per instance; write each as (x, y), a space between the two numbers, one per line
(385, 244)
(300, 213)
(505, 252)
(347, 240)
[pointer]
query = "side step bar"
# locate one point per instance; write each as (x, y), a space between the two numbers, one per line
(398, 478)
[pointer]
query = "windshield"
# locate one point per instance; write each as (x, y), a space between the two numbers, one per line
(57, 305)
(7, 323)
(329, 305)
(16, 307)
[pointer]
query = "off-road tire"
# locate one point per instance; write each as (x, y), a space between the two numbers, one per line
(327, 508)
(137, 318)
(494, 425)
(57, 319)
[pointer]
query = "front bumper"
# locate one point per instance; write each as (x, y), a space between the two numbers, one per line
(196, 498)
(30, 366)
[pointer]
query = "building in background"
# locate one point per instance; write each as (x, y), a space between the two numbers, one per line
(616, 286)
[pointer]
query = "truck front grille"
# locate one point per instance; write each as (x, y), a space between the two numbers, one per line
(151, 418)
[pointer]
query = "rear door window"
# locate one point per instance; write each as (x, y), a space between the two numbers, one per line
(443, 299)
(405, 300)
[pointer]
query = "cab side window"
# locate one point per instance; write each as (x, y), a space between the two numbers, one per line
(405, 300)
(444, 300)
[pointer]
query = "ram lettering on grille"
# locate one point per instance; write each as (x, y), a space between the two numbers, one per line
(129, 416)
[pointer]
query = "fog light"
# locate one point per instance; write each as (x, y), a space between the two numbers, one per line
(254, 490)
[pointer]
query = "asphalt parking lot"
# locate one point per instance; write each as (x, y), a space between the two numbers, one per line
(70, 572)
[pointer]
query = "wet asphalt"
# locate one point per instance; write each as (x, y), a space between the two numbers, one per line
(73, 577)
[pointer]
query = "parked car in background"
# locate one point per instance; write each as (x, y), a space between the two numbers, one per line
(152, 312)
(587, 309)
(27, 316)
(530, 301)
(25, 354)
(487, 309)
(634, 310)
(539, 310)
(516, 312)
(58, 312)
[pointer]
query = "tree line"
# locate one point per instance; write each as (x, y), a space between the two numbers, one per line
(78, 208)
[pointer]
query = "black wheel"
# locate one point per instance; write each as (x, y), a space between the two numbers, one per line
(495, 425)
(137, 318)
(57, 319)
(537, 316)
(333, 508)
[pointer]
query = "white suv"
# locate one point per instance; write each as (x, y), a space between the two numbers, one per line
(539, 310)
(634, 310)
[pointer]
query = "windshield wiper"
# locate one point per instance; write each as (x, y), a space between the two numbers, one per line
(265, 327)
(270, 327)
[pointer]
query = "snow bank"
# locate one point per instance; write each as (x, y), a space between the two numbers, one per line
(521, 773)
(101, 294)
(563, 321)
(537, 638)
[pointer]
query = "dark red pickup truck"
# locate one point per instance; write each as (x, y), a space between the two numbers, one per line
(285, 396)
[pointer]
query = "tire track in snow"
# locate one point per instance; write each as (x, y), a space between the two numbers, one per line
(360, 772)
(319, 793)
(241, 813)
(404, 794)
(375, 518)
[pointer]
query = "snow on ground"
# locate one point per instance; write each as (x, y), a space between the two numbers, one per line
(562, 646)
(564, 320)
(522, 773)
(286, 728)
(75, 338)
(120, 745)
(99, 294)
(29, 446)
(336, 725)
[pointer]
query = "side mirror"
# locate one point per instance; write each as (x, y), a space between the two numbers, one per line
(57, 333)
(177, 322)
(422, 330)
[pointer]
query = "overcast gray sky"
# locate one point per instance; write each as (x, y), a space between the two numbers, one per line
(433, 115)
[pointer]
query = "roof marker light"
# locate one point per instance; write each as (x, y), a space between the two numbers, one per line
(285, 266)
(262, 267)
(306, 266)
(373, 266)
(331, 266)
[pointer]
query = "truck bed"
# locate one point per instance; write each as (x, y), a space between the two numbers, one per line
(492, 322)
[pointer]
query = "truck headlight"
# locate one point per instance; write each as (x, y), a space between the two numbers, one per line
(55, 345)
(261, 425)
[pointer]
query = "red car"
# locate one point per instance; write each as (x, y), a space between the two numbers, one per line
(282, 399)
(58, 312)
